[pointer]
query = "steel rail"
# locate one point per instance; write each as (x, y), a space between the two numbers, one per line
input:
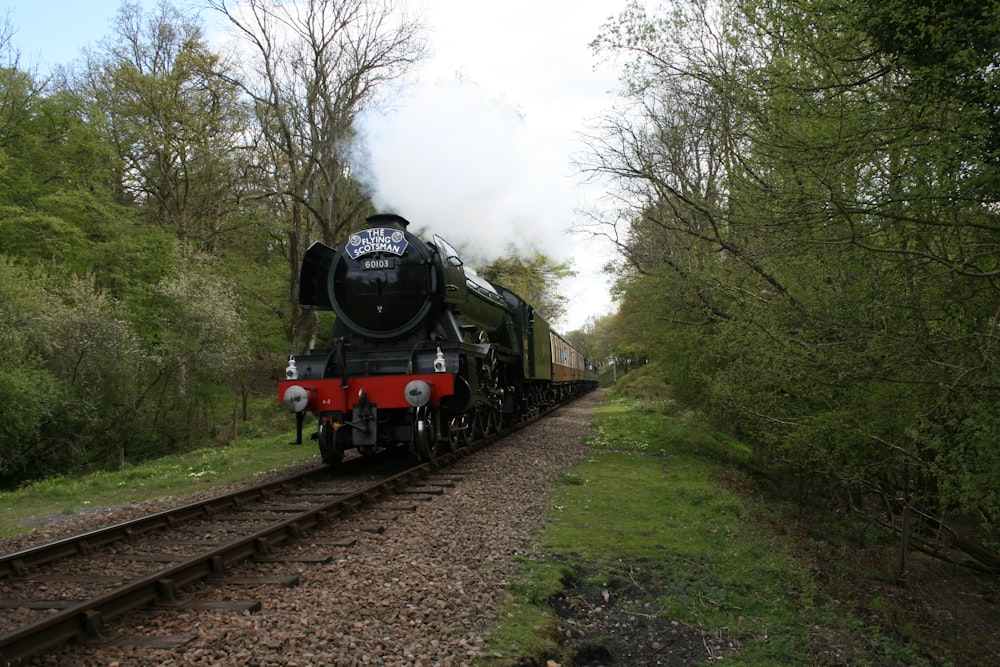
(15, 564)
(87, 619)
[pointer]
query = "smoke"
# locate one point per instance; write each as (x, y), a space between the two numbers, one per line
(457, 163)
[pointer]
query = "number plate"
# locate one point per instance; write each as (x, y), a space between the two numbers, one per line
(377, 264)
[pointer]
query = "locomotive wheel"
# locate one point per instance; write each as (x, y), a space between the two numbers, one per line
(480, 423)
(494, 418)
(424, 435)
(331, 446)
(459, 435)
(486, 421)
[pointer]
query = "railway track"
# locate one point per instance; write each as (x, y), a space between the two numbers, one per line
(60, 592)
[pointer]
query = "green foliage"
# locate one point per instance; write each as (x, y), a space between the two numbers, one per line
(811, 250)
(88, 379)
(48, 147)
(173, 114)
(194, 341)
(26, 387)
(201, 329)
(949, 45)
(36, 235)
(948, 49)
(961, 442)
(533, 279)
(30, 400)
(260, 282)
(68, 372)
(97, 358)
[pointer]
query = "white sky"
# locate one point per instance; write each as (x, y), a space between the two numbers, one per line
(485, 162)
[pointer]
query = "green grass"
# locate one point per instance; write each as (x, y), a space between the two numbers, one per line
(169, 476)
(660, 500)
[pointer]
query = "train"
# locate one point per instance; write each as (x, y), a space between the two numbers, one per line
(424, 353)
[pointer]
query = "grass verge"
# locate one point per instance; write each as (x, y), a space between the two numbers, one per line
(169, 476)
(661, 523)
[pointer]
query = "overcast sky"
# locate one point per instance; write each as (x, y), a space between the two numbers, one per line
(479, 150)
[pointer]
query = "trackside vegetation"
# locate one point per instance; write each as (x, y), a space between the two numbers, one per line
(809, 237)
(255, 450)
(667, 525)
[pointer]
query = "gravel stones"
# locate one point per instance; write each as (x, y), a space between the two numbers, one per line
(423, 592)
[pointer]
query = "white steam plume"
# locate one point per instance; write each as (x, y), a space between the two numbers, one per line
(457, 163)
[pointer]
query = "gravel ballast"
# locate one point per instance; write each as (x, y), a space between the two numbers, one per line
(425, 591)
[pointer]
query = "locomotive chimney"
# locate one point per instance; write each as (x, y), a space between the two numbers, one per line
(390, 220)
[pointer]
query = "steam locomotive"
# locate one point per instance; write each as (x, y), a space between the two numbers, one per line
(424, 353)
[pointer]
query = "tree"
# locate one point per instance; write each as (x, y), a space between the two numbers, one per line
(119, 337)
(175, 119)
(308, 69)
(69, 370)
(27, 389)
(535, 280)
(46, 145)
(197, 342)
(948, 47)
(811, 233)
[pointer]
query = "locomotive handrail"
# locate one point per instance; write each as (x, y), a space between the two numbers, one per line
(338, 345)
